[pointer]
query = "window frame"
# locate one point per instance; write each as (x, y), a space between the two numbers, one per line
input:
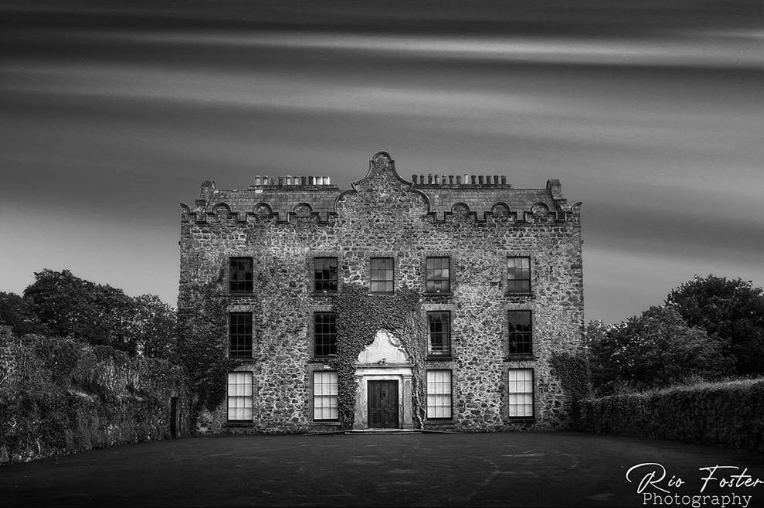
(336, 280)
(335, 396)
(511, 280)
(525, 336)
(532, 394)
(447, 333)
(429, 393)
(427, 279)
(317, 332)
(236, 335)
(250, 396)
(385, 281)
(249, 276)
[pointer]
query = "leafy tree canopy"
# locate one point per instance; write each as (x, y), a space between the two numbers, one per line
(68, 306)
(732, 312)
(653, 350)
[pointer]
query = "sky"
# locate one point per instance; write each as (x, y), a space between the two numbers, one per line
(648, 111)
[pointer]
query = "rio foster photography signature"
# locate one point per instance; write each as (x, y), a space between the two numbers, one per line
(656, 488)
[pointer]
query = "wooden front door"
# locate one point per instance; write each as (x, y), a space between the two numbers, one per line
(383, 404)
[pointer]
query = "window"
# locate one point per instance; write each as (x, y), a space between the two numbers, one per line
(325, 274)
(325, 396)
(520, 389)
(240, 334)
(518, 274)
(382, 275)
(438, 278)
(440, 333)
(520, 332)
(438, 394)
(239, 396)
(325, 333)
(240, 275)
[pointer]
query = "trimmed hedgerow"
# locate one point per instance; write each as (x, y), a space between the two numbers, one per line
(360, 315)
(725, 413)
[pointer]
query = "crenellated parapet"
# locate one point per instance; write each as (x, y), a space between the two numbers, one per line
(462, 198)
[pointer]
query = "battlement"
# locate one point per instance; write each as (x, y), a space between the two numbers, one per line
(478, 198)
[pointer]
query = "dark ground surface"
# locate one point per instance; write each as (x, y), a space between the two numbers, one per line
(512, 469)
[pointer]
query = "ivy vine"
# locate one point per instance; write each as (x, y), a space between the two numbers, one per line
(360, 315)
(573, 371)
(202, 327)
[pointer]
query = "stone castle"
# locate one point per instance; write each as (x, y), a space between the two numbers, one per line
(435, 303)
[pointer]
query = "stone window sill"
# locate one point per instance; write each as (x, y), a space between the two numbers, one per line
(321, 294)
(238, 424)
(523, 419)
(328, 423)
(520, 358)
(435, 293)
(443, 358)
(521, 294)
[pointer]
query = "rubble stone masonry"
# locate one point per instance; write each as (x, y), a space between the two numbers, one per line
(476, 221)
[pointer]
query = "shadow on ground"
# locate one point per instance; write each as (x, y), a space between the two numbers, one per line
(505, 469)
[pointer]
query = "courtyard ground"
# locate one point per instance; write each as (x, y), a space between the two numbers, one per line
(502, 469)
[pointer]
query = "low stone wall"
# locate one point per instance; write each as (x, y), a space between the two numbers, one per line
(728, 414)
(59, 397)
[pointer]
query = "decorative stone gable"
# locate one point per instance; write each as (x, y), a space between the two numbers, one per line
(385, 349)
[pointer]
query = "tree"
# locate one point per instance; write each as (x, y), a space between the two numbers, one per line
(17, 313)
(732, 312)
(153, 328)
(653, 350)
(72, 307)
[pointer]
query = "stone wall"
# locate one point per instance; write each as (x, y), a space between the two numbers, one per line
(58, 396)
(384, 215)
(728, 414)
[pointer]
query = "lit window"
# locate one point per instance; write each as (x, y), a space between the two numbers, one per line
(438, 394)
(518, 275)
(325, 396)
(325, 333)
(520, 390)
(239, 396)
(240, 334)
(439, 333)
(520, 332)
(240, 275)
(382, 270)
(325, 274)
(438, 278)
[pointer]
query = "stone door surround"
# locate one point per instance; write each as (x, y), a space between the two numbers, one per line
(383, 360)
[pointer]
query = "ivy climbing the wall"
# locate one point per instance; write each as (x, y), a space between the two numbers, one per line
(360, 315)
(202, 328)
(573, 371)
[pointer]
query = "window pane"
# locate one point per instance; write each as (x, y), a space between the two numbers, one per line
(520, 392)
(240, 396)
(325, 333)
(438, 394)
(240, 275)
(240, 334)
(518, 274)
(325, 274)
(381, 274)
(439, 324)
(520, 332)
(325, 395)
(437, 276)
